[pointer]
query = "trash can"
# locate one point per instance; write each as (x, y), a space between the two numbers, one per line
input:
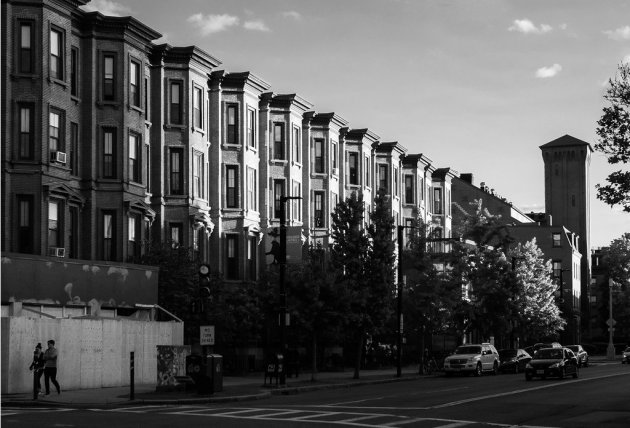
(215, 371)
(197, 369)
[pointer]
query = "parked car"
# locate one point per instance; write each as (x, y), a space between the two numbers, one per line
(625, 356)
(513, 360)
(581, 354)
(474, 359)
(558, 362)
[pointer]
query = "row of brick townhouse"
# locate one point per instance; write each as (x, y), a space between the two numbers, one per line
(111, 141)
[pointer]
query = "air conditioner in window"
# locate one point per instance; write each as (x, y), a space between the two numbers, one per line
(56, 252)
(58, 157)
(335, 171)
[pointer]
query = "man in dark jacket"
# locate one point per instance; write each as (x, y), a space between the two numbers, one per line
(50, 367)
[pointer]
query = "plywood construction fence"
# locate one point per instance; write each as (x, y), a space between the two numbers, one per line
(93, 353)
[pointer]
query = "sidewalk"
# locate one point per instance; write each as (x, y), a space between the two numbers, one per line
(235, 388)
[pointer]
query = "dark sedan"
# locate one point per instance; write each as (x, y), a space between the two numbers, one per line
(558, 362)
(513, 360)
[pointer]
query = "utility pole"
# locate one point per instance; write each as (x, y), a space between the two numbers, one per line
(399, 302)
(610, 352)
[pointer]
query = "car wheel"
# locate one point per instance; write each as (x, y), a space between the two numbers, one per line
(478, 370)
(495, 369)
(586, 363)
(563, 373)
(516, 368)
(576, 374)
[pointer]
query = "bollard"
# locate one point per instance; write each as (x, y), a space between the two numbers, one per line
(131, 377)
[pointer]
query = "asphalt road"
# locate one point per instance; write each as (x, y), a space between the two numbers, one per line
(599, 398)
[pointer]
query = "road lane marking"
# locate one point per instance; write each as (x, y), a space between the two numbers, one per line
(520, 391)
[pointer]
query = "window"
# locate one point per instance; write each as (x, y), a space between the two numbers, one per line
(296, 145)
(278, 141)
(278, 192)
(134, 162)
(55, 134)
(176, 103)
(556, 273)
(54, 224)
(134, 84)
(318, 209)
(409, 194)
(25, 224)
(177, 174)
(396, 189)
(109, 77)
(231, 242)
(333, 149)
(109, 234)
(26, 132)
(133, 242)
(383, 183)
(73, 234)
(437, 201)
(74, 72)
(366, 168)
(251, 128)
(252, 190)
(198, 190)
(231, 186)
(232, 124)
(556, 238)
(109, 153)
(296, 204)
(25, 56)
(353, 168)
(197, 111)
(252, 245)
(421, 188)
(176, 234)
(319, 156)
(73, 156)
(56, 54)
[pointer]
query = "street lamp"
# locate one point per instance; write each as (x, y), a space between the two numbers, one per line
(283, 292)
(610, 351)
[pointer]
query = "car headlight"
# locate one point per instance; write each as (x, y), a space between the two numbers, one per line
(472, 359)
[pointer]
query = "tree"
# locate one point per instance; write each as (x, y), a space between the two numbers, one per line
(537, 314)
(431, 299)
(479, 263)
(178, 289)
(614, 139)
(617, 258)
(314, 302)
(356, 255)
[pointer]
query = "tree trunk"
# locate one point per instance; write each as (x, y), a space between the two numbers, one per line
(314, 358)
(357, 362)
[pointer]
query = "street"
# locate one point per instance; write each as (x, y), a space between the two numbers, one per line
(599, 397)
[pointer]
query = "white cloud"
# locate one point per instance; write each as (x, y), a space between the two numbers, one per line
(545, 72)
(292, 14)
(210, 24)
(563, 26)
(257, 25)
(526, 26)
(621, 33)
(107, 7)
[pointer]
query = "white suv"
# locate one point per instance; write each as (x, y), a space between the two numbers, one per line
(474, 358)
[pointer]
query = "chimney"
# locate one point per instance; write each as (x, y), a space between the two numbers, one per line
(467, 177)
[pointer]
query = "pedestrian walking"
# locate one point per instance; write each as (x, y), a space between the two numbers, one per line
(37, 367)
(50, 367)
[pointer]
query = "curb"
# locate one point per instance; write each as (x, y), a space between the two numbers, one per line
(207, 400)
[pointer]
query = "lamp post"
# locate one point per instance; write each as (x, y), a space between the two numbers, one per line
(610, 351)
(283, 292)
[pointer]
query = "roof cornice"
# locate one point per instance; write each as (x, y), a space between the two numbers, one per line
(290, 100)
(241, 79)
(96, 21)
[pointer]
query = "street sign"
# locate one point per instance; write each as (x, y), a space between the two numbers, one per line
(206, 335)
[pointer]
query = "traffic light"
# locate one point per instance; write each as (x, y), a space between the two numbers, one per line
(204, 277)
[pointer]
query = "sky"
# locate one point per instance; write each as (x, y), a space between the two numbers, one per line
(476, 86)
